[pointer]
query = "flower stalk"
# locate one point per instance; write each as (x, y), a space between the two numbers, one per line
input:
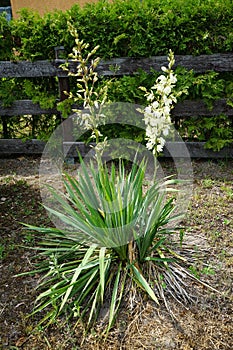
(157, 114)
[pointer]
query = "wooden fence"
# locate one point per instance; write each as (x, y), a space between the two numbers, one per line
(116, 67)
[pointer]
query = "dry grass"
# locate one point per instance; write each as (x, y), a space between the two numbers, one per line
(206, 324)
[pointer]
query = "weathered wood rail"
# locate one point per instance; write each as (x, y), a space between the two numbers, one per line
(117, 67)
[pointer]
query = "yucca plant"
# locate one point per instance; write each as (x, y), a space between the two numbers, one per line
(114, 233)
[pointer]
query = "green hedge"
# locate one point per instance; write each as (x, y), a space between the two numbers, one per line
(125, 28)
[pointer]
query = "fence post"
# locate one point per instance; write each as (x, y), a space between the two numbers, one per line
(4, 127)
(64, 86)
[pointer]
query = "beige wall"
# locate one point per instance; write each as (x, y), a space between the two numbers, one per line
(43, 6)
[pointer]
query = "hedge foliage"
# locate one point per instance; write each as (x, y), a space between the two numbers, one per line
(139, 28)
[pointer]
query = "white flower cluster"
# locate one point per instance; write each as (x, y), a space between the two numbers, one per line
(157, 113)
(91, 99)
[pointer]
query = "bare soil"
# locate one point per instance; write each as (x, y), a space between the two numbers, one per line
(206, 324)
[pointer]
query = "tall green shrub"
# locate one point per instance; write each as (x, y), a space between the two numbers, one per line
(131, 28)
